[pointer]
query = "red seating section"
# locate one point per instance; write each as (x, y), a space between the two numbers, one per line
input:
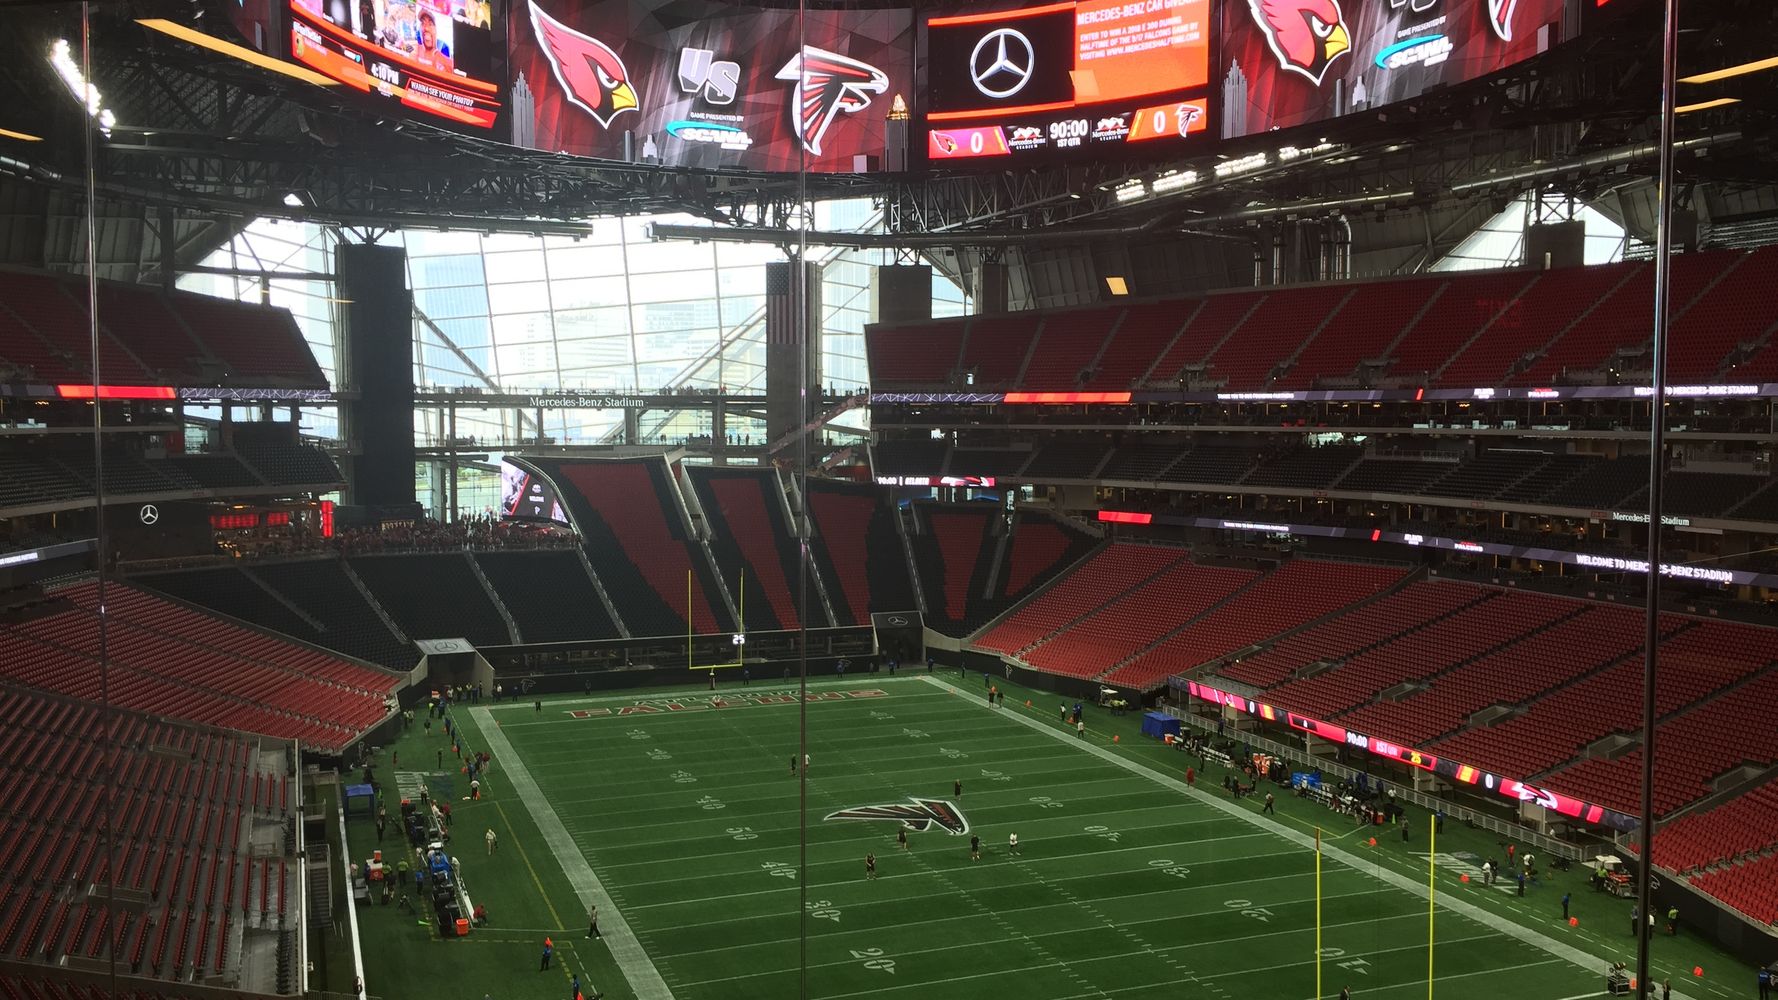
(1363, 329)
(1404, 612)
(959, 531)
(1291, 596)
(1697, 663)
(741, 501)
(147, 337)
(996, 346)
(1039, 544)
(1111, 571)
(1543, 645)
(172, 661)
(859, 550)
(1067, 344)
(1145, 332)
(626, 497)
(1743, 826)
(1483, 329)
(1751, 888)
(185, 812)
(1534, 319)
(1128, 623)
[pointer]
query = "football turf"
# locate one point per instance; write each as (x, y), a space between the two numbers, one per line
(1125, 883)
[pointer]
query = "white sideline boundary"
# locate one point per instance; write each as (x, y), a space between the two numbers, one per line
(638, 969)
(1590, 963)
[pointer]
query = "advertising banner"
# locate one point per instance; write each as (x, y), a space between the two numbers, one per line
(708, 85)
(1292, 62)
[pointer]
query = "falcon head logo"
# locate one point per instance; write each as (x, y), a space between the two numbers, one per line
(915, 814)
(827, 83)
(1305, 35)
(1500, 17)
(589, 71)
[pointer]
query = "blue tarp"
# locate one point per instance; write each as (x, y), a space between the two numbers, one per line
(1159, 724)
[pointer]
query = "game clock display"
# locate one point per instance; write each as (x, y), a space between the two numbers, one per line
(1066, 78)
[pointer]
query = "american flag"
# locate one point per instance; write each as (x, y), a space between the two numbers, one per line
(781, 302)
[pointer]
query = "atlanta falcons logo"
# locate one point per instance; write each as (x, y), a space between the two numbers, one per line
(591, 74)
(1500, 17)
(827, 83)
(916, 814)
(1305, 35)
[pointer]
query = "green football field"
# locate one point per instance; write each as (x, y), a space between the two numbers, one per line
(681, 824)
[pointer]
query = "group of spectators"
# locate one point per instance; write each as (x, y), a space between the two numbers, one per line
(473, 533)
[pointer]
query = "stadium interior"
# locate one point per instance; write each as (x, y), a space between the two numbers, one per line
(527, 423)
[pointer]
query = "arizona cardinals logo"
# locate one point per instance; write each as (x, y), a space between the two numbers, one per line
(1500, 17)
(1305, 35)
(827, 83)
(916, 814)
(588, 70)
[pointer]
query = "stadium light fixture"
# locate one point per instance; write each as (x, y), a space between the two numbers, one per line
(233, 51)
(61, 57)
(1117, 285)
(6, 133)
(1706, 105)
(1757, 66)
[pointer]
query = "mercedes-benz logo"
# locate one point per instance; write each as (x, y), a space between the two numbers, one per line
(1001, 63)
(897, 620)
(149, 513)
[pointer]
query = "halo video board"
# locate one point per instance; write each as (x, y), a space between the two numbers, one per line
(436, 58)
(708, 85)
(1291, 62)
(1085, 76)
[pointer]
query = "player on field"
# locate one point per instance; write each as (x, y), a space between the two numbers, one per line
(793, 765)
(870, 866)
(901, 837)
(1012, 844)
(975, 848)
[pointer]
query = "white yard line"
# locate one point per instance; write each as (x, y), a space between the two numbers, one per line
(644, 979)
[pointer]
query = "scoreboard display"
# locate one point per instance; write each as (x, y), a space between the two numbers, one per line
(435, 58)
(1086, 76)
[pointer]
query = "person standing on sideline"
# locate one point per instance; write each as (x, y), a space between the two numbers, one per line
(1488, 872)
(1191, 778)
(475, 789)
(975, 847)
(574, 987)
(592, 921)
(1765, 984)
(929, 663)
(441, 760)
(1521, 883)
(1404, 829)
(1635, 919)
(870, 866)
(1672, 921)
(493, 840)
(1268, 808)
(1080, 728)
(1012, 844)
(1565, 897)
(549, 948)
(957, 788)
(382, 821)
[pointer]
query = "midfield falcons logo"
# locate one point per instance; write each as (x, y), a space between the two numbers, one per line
(1500, 17)
(915, 814)
(591, 74)
(827, 83)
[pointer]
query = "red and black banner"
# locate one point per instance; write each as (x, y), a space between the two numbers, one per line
(1291, 62)
(711, 85)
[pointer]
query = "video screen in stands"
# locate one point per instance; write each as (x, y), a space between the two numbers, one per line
(527, 496)
(435, 57)
(1066, 77)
